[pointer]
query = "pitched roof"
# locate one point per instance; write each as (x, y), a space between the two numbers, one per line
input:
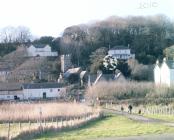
(120, 47)
(4, 69)
(39, 45)
(105, 77)
(42, 85)
(82, 74)
(72, 71)
(10, 86)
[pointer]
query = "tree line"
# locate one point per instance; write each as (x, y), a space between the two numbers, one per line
(146, 36)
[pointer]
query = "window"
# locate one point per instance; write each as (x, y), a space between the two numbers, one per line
(58, 89)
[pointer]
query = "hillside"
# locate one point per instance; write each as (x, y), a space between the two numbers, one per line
(14, 58)
(27, 69)
(147, 36)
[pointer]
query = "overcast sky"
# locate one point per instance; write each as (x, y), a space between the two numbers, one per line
(51, 17)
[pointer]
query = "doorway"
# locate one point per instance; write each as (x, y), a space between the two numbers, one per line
(44, 95)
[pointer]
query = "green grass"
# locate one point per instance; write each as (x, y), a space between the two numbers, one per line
(169, 118)
(108, 127)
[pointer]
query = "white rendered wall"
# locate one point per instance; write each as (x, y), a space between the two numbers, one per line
(38, 93)
(165, 74)
(46, 51)
(9, 95)
(157, 75)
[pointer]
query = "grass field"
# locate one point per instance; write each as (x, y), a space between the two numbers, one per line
(108, 127)
(169, 118)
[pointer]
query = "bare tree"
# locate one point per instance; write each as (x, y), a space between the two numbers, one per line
(18, 34)
(7, 34)
(23, 34)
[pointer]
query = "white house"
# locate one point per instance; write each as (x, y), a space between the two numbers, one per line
(32, 91)
(40, 50)
(3, 73)
(121, 52)
(43, 90)
(10, 91)
(100, 77)
(164, 74)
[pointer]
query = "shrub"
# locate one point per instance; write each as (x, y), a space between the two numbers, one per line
(117, 90)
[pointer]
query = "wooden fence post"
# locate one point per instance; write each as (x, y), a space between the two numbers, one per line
(57, 122)
(52, 121)
(8, 136)
(29, 126)
(20, 127)
(61, 123)
(45, 124)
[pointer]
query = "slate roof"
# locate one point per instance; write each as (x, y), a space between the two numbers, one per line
(4, 69)
(41, 85)
(10, 86)
(39, 45)
(72, 71)
(104, 77)
(120, 47)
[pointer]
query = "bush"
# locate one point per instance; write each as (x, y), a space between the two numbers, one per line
(129, 90)
(126, 90)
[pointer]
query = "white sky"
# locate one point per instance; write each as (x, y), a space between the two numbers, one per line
(51, 17)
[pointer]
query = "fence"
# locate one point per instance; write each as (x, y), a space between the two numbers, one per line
(12, 130)
(148, 110)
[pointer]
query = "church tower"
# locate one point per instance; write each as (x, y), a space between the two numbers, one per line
(65, 62)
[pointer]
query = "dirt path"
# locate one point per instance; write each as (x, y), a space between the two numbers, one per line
(146, 137)
(139, 118)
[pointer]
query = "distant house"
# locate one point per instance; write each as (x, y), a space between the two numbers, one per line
(72, 71)
(3, 73)
(40, 50)
(10, 91)
(121, 52)
(43, 90)
(31, 91)
(164, 73)
(100, 77)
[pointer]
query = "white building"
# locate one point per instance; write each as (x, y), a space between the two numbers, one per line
(10, 91)
(164, 74)
(4, 73)
(32, 91)
(121, 52)
(40, 50)
(65, 62)
(157, 73)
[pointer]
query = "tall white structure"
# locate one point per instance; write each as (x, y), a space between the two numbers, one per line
(164, 73)
(40, 50)
(157, 73)
(65, 62)
(121, 52)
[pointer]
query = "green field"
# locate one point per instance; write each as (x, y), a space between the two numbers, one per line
(169, 118)
(107, 127)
